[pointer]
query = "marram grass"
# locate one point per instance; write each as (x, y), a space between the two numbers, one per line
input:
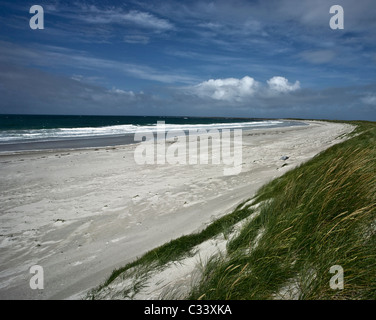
(320, 214)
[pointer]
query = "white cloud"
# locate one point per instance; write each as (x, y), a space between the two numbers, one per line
(281, 84)
(134, 17)
(138, 39)
(238, 90)
(147, 20)
(122, 92)
(230, 89)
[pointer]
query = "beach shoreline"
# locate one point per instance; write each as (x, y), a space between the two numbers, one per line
(48, 144)
(82, 213)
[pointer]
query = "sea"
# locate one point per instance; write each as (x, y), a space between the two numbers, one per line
(44, 132)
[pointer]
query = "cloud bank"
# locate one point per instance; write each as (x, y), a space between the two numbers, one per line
(28, 90)
(240, 90)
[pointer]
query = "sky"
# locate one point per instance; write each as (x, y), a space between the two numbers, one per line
(238, 58)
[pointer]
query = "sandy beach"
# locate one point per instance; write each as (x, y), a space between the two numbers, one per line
(82, 213)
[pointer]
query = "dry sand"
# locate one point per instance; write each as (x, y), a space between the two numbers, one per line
(82, 213)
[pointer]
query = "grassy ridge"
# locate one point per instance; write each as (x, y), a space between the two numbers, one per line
(320, 214)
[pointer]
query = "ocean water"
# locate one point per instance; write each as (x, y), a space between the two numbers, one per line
(34, 132)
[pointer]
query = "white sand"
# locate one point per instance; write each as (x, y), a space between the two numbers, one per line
(175, 279)
(80, 214)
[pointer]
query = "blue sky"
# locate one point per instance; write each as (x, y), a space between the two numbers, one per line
(270, 58)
